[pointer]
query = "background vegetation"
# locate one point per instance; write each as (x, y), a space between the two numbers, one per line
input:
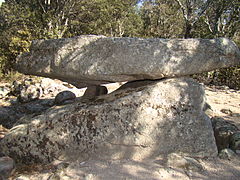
(22, 21)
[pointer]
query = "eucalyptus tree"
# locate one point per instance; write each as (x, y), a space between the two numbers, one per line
(161, 18)
(24, 20)
(107, 17)
(192, 11)
(223, 18)
(50, 16)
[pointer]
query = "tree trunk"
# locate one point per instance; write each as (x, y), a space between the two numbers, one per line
(188, 30)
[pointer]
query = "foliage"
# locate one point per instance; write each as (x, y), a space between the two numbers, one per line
(15, 35)
(161, 18)
(107, 17)
(23, 20)
(227, 76)
(221, 19)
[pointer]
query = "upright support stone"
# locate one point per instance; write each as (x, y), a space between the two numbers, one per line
(151, 120)
(94, 91)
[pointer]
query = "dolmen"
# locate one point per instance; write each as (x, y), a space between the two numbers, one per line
(159, 111)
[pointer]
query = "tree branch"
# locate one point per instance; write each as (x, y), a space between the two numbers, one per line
(209, 26)
(206, 5)
(44, 10)
(183, 9)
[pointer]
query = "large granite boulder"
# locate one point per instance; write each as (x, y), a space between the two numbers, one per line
(94, 60)
(158, 118)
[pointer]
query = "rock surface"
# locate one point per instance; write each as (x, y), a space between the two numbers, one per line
(235, 141)
(94, 60)
(94, 91)
(4, 91)
(187, 163)
(227, 154)
(140, 123)
(30, 93)
(219, 97)
(7, 166)
(32, 96)
(224, 133)
(63, 97)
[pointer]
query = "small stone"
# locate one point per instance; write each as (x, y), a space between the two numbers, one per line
(235, 141)
(30, 93)
(93, 91)
(16, 88)
(89, 177)
(226, 111)
(227, 154)
(4, 91)
(187, 163)
(63, 97)
(23, 178)
(28, 82)
(45, 82)
(238, 152)
(223, 130)
(7, 166)
(60, 175)
(50, 86)
(62, 165)
(54, 177)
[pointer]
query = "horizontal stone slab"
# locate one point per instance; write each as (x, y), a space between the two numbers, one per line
(93, 60)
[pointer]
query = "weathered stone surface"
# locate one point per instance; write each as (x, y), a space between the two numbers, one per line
(4, 91)
(8, 116)
(136, 84)
(88, 60)
(64, 96)
(30, 93)
(175, 160)
(227, 154)
(164, 117)
(235, 141)
(53, 87)
(223, 132)
(28, 90)
(7, 166)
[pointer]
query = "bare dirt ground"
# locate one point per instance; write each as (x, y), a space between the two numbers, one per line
(224, 102)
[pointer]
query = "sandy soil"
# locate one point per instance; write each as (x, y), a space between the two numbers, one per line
(224, 102)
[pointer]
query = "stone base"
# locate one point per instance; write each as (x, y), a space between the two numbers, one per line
(160, 118)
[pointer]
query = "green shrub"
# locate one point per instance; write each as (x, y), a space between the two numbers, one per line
(227, 76)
